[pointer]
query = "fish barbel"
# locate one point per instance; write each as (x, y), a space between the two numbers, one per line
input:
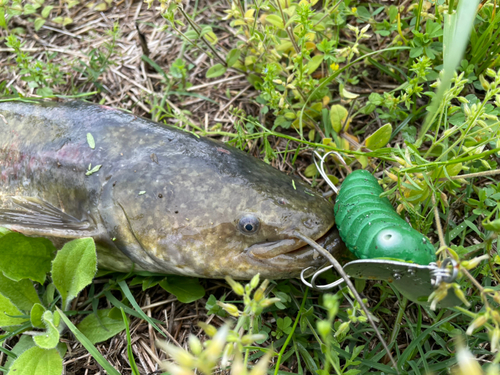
(153, 197)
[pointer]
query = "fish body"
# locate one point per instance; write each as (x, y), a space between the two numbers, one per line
(153, 197)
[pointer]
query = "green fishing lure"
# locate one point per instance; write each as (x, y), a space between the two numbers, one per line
(371, 228)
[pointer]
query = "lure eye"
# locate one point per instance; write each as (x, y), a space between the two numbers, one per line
(249, 224)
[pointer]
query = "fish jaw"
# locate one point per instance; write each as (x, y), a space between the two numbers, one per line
(289, 261)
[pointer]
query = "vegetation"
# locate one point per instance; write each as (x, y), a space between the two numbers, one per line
(409, 91)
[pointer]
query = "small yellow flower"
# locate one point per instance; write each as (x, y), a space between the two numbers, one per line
(335, 67)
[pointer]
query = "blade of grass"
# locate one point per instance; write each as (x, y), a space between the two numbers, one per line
(130, 354)
(123, 285)
(291, 333)
(455, 40)
(88, 345)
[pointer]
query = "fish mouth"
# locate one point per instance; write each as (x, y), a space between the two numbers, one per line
(293, 248)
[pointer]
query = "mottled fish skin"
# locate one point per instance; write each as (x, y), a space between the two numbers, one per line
(164, 200)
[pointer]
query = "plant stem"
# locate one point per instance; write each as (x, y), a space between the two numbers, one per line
(276, 369)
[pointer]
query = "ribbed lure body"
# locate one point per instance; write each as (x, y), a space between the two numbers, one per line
(371, 228)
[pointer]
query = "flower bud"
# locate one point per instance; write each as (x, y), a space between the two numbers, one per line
(460, 294)
(269, 301)
(467, 110)
(495, 338)
(477, 323)
(343, 329)
(324, 328)
(195, 345)
(258, 295)
(254, 283)
(209, 329)
(236, 286)
(490, 73)
(484, 83)
(495, 315)
(250, 339)
(229, 308)
(473, 263)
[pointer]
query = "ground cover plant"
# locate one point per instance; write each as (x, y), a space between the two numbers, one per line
(398, 88)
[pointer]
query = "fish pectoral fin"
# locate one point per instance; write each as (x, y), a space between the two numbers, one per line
(33, 216)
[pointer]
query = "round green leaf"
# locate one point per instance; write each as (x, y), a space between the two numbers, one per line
(46, 11)
(216, 71)
(25, 257)
(39, 22)
(100, 327)
(338, 116)
(74, 268)
(233, 56)
(37, 361)
(275, 20)
(186, 289)
(380, 138)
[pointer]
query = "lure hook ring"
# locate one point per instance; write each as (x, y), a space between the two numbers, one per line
(443, 274)
(313, 284)
(321, 168)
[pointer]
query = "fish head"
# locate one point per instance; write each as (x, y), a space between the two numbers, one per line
(217, 213)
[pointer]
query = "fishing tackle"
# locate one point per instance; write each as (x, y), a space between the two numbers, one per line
(371, 228)
(388, 248)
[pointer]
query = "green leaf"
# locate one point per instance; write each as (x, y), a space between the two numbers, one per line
(93, 170)
(44, 91)
(74, 268)
(88, 345)
(36, 315)
(8, 313)
(338, 116)
(314, 63)
(46, 11)
(48, 296)
(37, 361)
(233, 56)
(25, 342)
(311, 170)
(50, 338)
(186, 289)
(3, 22)
(216, 71)
(62, 20)
(380, 138)
(275, 20)
(100, 327)
(211, 37)
(90, 141)
(39, 22)
(21, 293)
(25, 257)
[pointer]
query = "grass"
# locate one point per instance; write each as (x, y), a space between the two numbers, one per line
(281, 79)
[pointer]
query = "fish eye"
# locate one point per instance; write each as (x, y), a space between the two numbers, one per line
(249, 224)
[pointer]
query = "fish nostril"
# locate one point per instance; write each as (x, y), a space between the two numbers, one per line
(309, 223)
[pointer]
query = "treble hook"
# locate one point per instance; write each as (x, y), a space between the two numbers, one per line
(313, 284)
